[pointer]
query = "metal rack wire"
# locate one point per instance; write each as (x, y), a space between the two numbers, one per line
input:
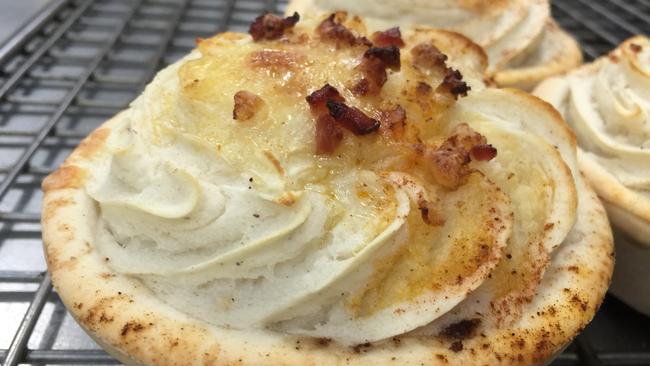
(82, 61)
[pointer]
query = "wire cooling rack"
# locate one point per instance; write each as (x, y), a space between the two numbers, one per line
(79, 62)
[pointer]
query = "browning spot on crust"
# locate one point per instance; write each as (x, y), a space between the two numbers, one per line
(574, 269)
(276, 163)
(269, 26)
(461, 330)
(323, 342)
(91, 144)
(246, 105)
(67, 176)
(389, 37)
(131, 326)
(361, 347)
(456, 346)
(636, 48)
(331, 30)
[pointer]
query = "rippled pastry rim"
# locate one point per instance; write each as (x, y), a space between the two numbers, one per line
(137, 328)
(528, 77)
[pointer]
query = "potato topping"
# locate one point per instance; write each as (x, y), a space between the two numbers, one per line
(270, 26)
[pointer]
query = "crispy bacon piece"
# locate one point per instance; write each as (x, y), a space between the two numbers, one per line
(373, 67)
(389, 56)
(318, 98)
(464, 138)
(428, 56)
(332, 30)
(352, 118)
(483, 152)
(449, 162)
(246, 105)
(389, 37)
(449, 168)
(269, 26)
(454, 84)
(328, 134)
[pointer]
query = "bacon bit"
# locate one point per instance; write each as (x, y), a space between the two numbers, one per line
(394, 120)
(635, 48)
(373, 67)
(318, 98)
(428, 56)
(328, 134)
(352, 118)
(389, 56)
(332, 30)
(454, 84)
(483, 152)
(450, 160)
(269, 26)
(246, 105)
(389, 37)
(463, 137)
(423, 88)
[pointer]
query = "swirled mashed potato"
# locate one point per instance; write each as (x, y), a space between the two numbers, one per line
(317, 180)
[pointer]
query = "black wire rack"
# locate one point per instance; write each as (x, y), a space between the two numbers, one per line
(78, 62)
